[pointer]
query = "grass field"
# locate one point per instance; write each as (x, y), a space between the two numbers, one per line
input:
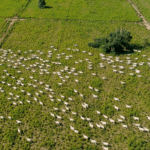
(83, 10)
(143, 6)
(10, 8)
(63, 29)
(3, 26)
(39, 34)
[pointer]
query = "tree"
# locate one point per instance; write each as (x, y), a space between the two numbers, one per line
(41, 4)
(116, 42)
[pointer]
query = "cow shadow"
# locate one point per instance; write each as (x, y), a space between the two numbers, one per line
(47, 7)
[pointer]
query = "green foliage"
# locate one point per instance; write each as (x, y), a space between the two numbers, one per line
(11, 135)
(133, 112)
(20, 112)
(41, 4)
(108, 109)
(98, 42)
(96, 83)
(70, 92)
(50, 143)
(116, 42)
(135, 143)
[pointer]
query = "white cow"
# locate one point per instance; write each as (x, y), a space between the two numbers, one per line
(148, 117)
(2, 117)
(52, 114)
(88, 119)
(116, 107)
(111, 120)
(76, 131)
(119, 120)
(103, 122)
(105, 117)
(93, 141)
(137, 125)
(55, 108)
(63, 110)
(72, 128)
(141, 129)
(86, 137)
(91, 125)
(29, 140)
(98, 112)
(136, 118)
(105, 143)
(18, 121)
(82, 118)
(71, 119)
(105, 148)
(59, 117)
(57, 122)
(116, 99)
(19, 131)
(122, 117)
(125, 126)
(74, 113)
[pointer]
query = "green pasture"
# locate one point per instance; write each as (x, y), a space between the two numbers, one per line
(38, 125)
(10, 8)
(3, 26)
(65, 24)
(83, 10)
(144, 8)
(40, 34)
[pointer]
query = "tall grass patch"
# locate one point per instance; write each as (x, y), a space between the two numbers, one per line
(40, 34)
(3, 26)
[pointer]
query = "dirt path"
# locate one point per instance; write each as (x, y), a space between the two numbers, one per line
(141, 16)
(13, 20)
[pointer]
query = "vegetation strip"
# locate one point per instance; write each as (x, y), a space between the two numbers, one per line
(13, 20)
(141, 16)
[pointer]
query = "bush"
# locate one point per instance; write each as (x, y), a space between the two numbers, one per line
(116, 42)
(41, 4)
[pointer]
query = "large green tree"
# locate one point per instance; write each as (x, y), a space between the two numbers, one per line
(41, 4)
(115, 42)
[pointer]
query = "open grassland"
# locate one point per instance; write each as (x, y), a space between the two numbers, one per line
(31, 74)
(39, 34)
(83, 10)
(3, 26)
(143, 7)
(37, 123)
(10, 8)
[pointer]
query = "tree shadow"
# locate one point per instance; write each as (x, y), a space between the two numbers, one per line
(47, 7)
(130, 49)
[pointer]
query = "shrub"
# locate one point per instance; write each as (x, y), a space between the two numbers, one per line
(41, 4)
(116, 42)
